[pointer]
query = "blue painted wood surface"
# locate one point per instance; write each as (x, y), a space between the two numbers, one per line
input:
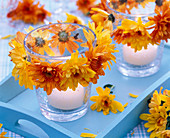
(9, 88)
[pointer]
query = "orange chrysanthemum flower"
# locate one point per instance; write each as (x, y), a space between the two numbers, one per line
(133, 34)
(161, 23)
(75, 71)
(85, 5)
(102, 17)
(125, 6)
(159, 4)
(105, 102)
(38, 41)
(101, 6)
(99, 55)
(63, 39)
(73, 19)
(29, 12)
(46, 75)
(20, 59)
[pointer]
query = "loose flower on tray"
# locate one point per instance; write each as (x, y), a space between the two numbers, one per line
(105, 102)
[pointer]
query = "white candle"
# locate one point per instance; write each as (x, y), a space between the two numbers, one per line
(67, 100)
(143, 57)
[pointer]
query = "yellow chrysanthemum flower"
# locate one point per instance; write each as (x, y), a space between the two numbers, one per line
(105, 101)
(157, 120)
(133, 34)
(160, 99)
(75, 71)
(20, 59)
(102, 17)
(2, 135)
(46, 75)
(18, 41)
(73, 19)
(156, 99)
(102, 35)
(101, 54)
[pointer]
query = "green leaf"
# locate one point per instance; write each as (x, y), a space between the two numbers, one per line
(110, 86)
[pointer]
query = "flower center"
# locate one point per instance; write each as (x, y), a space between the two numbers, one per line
(114, 4)
(139, 33)
(48, 75)
(49, 72)
(85, 2)
(27, 58)
(26, 8)
(139, 1)
(111, 18)
(159, 2)
(95, 64)
(39, 42)
(106, 102)
(63, 36)
(122, 1)
(76, 75)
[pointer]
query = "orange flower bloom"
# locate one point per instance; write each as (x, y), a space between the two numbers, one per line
(161, 23)
(38, 41)
(19, 58)
(85, 5)
(73, 19)
(76, 71)
(99, 55)
(159, 4)
(29, 12)
(125, 6)
(46, 75)
(102, 17)
(63, 39)
(101, 6)
(133, 34)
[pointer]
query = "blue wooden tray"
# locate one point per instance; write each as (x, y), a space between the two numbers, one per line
(21, 113)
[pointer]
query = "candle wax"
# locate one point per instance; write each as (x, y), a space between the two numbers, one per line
(67, 100)
(143, 57)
